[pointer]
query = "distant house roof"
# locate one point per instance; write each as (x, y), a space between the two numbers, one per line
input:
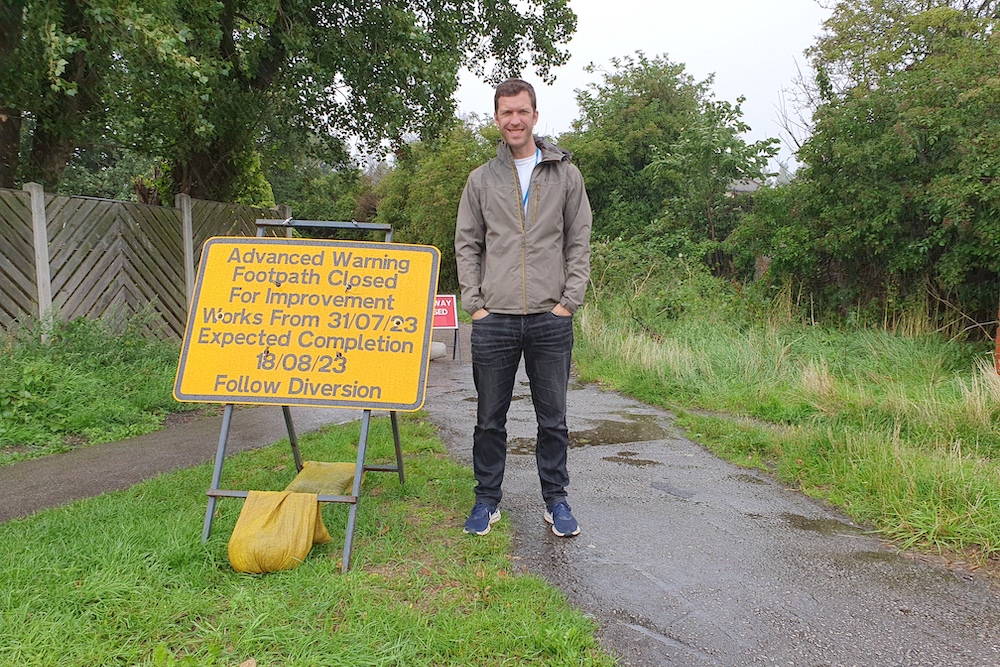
(744, 186)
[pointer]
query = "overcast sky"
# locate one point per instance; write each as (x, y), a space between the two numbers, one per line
(752, 47)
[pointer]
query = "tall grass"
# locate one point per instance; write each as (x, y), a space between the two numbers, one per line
(85, 381)
(899, 430)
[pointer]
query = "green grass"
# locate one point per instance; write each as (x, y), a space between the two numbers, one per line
(87, 383)
(900, 431)
(122, 579)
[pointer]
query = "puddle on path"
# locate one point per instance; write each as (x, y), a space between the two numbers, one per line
(628, 458)
(824, 527)
(637, 428)
(673, 490)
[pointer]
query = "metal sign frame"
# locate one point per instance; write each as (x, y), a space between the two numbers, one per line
(215, 492)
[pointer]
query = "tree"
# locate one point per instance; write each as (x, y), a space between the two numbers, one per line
(626, 120)
(317, 191)
(52, 65)
(702, 165)
(901, 188)
(197, 83)
(866, 41)
(111, 172)
(420, 196)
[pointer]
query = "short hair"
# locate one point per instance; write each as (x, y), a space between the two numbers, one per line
(513, 88)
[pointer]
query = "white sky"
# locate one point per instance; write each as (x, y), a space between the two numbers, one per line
(752, 46)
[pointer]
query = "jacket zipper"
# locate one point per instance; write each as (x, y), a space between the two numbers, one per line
(520, 219)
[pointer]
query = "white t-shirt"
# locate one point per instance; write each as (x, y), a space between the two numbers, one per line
(524, 167)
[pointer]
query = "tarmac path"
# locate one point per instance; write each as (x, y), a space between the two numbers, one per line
(684, 559)
(31, 486)
(687, 560)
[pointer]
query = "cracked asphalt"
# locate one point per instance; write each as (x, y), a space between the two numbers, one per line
(687, 560)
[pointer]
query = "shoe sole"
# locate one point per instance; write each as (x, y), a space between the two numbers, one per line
(493, 519)
(549, 520)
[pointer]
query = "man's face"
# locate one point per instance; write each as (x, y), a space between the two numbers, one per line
(516, 119)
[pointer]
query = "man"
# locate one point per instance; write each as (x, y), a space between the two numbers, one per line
(522, 244)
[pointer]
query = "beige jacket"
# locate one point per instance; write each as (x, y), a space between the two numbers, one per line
(515, 264)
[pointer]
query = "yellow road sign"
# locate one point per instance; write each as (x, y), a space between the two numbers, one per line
(310, 322)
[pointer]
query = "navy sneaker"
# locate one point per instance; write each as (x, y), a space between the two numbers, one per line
(561, 518)
(482, 517)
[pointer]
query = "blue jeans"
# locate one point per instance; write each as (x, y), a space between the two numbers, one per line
(498, 341)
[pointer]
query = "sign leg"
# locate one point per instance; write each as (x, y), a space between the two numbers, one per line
(287, 411)
(359, 469)
(399, 449)
(220, 456)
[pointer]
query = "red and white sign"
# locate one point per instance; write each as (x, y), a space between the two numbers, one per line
(445, 312)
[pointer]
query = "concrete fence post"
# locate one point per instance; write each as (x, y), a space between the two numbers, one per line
(183, 202)
(43, 275)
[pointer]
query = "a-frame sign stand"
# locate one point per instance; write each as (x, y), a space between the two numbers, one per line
(398, 323)
(214, 493)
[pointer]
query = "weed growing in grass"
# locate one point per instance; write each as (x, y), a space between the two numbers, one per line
(82, 382)
(123, 580)
(901, 431)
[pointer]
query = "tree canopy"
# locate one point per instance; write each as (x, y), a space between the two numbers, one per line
(420, 195)
(702, 166)
(659, 155)
(199, 83)
(900, 192)
(638, 108)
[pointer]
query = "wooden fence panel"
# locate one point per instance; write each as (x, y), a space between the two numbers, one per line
(109, 259)
(84, 244)
(18, 294)
(154, 263)
(209, 218)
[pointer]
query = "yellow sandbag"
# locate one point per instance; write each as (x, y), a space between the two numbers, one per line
(335, 479)
(275, 531)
